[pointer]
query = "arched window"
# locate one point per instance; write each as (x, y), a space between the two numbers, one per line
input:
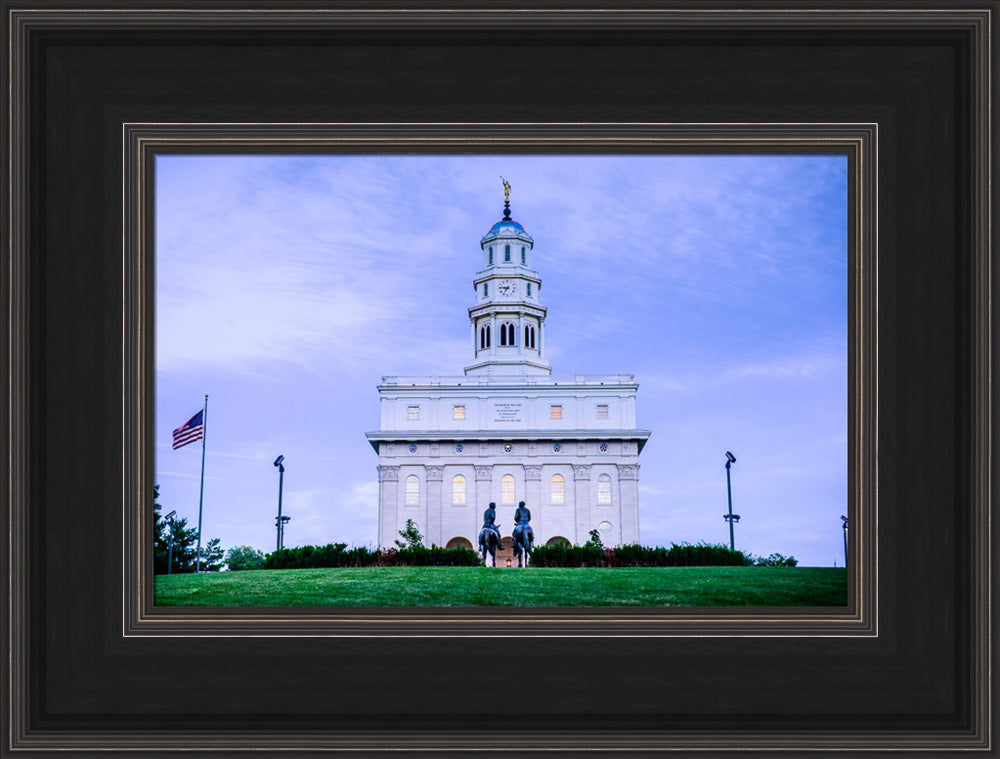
(529, 336)
(507, 489)
(484, 336)
(558, 489)
(506, 253)
(458, 490)
(507, 334)
(412, 490)
(524, 256)
(604, 489)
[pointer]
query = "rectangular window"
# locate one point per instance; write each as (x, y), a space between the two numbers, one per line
(458, 412)
(556, 412)
(413, 412)
(602, 411)
(486, 290)
(506, 253)
(524, 259)
(529, 289)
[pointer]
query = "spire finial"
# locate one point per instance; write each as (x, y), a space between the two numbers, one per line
(506, 199)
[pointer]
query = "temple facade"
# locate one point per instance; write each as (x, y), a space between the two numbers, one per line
(507, 429)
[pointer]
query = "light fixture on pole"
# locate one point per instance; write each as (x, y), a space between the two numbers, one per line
(169, 518)
(844, 519)
(730, 517)
(281, 482)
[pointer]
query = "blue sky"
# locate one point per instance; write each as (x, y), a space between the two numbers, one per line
(287, 286)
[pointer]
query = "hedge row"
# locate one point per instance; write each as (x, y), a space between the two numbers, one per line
(339, 555)
(683, 555)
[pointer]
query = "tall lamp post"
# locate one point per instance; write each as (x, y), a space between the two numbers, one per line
(730, 517)
(844, 519)
(170, 543)
(281, 483)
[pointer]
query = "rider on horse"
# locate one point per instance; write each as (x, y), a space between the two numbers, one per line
(489, 521)
(521, 518)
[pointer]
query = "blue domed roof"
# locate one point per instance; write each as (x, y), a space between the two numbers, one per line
(506, 223)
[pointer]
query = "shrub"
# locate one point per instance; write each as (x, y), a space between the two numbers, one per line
(594, 554)
(777, 560)
(244, 557)
(339, 555)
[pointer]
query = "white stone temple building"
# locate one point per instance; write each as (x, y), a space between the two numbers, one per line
(507, 430)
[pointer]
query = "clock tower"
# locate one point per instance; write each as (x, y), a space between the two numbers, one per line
(507, 319)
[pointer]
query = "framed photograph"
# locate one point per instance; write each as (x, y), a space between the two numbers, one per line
(116, 110)
(735, 265)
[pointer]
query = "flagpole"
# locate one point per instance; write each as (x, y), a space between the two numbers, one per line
(201, 495)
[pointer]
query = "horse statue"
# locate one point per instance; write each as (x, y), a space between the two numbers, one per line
(489, 541)
(524, 541)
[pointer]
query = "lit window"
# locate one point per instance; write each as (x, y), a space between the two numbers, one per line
(412, 490)
(506, 253)
(458, 490)
(507, 489)
(413, 412)
(458, 412)
(602, 411)
(604, 489)
(556, 412)
(558, 489)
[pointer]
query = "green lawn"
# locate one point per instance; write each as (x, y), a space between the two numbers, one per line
(535, 586)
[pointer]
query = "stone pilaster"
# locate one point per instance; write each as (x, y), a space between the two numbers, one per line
(628, 493)
(388, 501)
(433, 535)
(581, 498)
(533, 494)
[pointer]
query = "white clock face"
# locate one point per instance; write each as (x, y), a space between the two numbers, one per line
(507, 288)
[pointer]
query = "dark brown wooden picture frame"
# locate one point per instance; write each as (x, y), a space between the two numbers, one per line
(96, 90)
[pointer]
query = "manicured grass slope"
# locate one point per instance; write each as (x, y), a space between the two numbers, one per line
(486, 586)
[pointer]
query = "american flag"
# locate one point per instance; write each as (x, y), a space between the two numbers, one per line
(190, 431)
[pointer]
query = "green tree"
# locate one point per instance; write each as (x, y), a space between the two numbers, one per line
(244, 557)
(411, 537)
(185, 552)
(595, 541)
(212, 556)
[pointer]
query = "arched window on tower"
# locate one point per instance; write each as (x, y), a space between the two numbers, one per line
(507, 489)
(604, 489)
(558, 489)
(506, 253)
(507, 334)
(412, 490)
(458, 490)
(484, 336)
(529, 336)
